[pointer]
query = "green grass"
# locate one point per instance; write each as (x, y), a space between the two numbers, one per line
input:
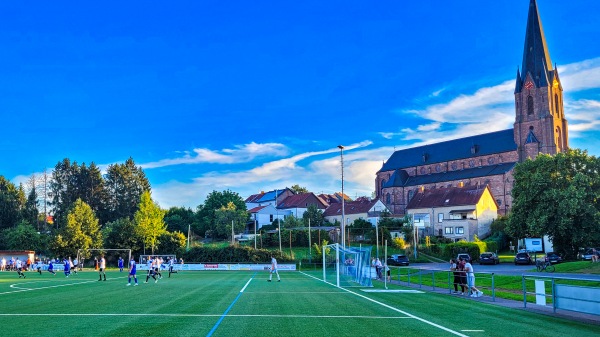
(195, 303)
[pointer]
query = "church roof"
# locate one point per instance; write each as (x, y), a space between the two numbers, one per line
(462, 148)
(401, 179)
(536, 58)
(445, 197)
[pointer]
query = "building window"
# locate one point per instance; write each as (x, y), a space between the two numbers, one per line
(411, 193)
(454, 166)
(271, 217)
(556, 105)
(440, 217)
(491, 161)
(448, 230)
(387, 199)
(438, 168)
(529, 105)
(460, 230)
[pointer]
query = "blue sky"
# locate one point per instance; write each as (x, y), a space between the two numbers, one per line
(256, 95)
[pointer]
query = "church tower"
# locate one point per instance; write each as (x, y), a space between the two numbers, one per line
(540, 124)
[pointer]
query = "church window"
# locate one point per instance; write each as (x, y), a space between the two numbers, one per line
(529, 105)
(556, 107)
(387, 198)
(423, 170)
(438, 168)
(454, 166)
(411, 194)
(499, 202)
(471, 163)
(491, 161)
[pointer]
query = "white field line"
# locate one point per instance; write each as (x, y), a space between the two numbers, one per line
(22, 289)
(206, 315)
(408, 291)
(396, 309)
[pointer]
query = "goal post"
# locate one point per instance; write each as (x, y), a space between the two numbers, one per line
(110, 254)
(346, 267)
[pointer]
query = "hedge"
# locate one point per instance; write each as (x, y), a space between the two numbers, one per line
(233, 254)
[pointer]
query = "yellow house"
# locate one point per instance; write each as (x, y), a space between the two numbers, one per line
(457, 213)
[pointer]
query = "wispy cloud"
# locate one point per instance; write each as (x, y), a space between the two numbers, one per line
(239, 154)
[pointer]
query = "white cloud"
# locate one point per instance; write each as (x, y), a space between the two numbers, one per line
(240, 154)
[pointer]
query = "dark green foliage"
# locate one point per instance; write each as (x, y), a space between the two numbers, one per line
(171, 243)
(179, 218)
(233, 254)
(10, 206)
(125, 184)
(205, 214)
(314, 214)
(24, 237)
(558, 196)
(121, 233)
(453, 249)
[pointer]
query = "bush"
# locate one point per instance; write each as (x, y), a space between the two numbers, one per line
(399, 242)
(233, 254)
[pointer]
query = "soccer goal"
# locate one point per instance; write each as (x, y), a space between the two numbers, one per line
(347, 267)
(86, 256)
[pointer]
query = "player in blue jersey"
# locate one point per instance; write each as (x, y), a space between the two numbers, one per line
(67, 267)
(51, 267)
(120, 264)
(132, 271)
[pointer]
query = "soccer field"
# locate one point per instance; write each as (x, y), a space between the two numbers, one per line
(237, 303)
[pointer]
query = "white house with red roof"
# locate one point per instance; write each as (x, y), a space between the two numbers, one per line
(362, 208)
(298, 204)
(265, 215)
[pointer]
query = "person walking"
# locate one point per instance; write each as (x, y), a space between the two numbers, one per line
(456, 274)
(19, 266)
(471, 280)
(132, 272)
(274, 269)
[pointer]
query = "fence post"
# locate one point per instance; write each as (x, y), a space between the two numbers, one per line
(420, 278)
(449, 283)
(524, 293)
(433, 280)
(493, 289)
(553, 297)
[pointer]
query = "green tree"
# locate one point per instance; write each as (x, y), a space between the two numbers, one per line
(215, 201)
(226, 216)
(558, 196)
(292, 222)
(125, 184)
(314, 214)
(63, 188)
(179, 218)
(122, 234)
(10, 208)
(30, 211)
(298, 189)
(149, 221)
(81, 231)
(24, 236)
(172, 243)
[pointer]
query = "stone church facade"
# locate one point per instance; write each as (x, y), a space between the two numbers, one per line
(488, 159)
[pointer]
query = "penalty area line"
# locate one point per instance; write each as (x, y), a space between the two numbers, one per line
(397, 310)
(207, 315)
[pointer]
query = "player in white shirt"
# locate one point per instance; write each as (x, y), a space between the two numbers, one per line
(102, 268)
(274, 269)
(151, 272)
(19, 265)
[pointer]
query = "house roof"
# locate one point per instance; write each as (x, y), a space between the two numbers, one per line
(265, 196)
(256, 209)
(254, 197)
(352, 207)
(401, 179)
(447, 197)
(301, 201)
(462, 148)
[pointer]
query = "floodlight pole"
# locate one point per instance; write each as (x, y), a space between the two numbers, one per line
(278, 222)
(255, 231)
(343, 226)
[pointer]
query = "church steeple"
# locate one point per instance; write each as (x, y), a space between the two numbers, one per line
(536, 58)
(540, 124)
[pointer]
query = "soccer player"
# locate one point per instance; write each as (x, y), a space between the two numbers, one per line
(51, 267)
(158, 266)
(3, 265)
(171, 265)
(151, 272)
(274, 269)
(67, 267)
(132, 271)
(38, 266)
(75, 265)
(19, 265)
(120, 264)
(102, 266)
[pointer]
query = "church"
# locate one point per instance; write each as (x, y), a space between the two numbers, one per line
(487, 160)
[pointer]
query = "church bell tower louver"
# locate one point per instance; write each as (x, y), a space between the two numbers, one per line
(540, 124)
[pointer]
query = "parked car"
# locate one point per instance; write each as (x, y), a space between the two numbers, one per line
(587, 255)
(489, 258)
(523, 258)
(553, 257)
(464, 256)
(398, 260)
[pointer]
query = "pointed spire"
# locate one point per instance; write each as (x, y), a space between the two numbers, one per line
(518, 83)
(536, 58)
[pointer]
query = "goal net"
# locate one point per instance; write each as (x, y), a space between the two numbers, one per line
(87, 257)
(347, 267)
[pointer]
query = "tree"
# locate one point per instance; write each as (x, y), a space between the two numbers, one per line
(299, 190)
(172, 243)
(24, 236)
(178, 219)
(122, 234)
(558, 196)
(215, 201)
(314, 214)
(292, 222)
(11, 203)
(81, 231)
(63, 188)
(149, 221)
(125, 184)
(30, 211)
(226, 216)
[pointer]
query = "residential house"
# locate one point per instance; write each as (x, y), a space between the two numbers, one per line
(298, 204)
(362, 208)
(265, 215)
(457, 213)
(268, 198)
